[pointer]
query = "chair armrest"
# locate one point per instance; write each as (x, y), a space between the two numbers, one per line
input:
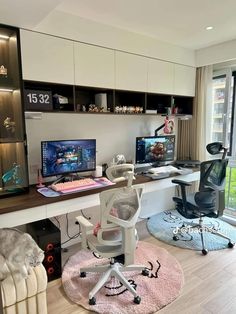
(86, 228)
(183, 185)
(181, 182)
(84, 222)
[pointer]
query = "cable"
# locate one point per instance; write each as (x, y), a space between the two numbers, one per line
(67, 232)
(89, 218)
(57, 220)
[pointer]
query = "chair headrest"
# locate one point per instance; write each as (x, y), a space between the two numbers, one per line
(121, 172)
(215, 148)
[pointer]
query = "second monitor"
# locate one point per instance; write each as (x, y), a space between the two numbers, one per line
(157, 150)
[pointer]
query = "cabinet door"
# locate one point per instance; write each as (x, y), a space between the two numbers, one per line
(184, 82)
(94, 66)
(46, 58)
(160, 76)
(131, 72)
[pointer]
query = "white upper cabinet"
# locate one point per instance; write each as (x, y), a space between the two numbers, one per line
(184, 80)
(160, 77)
(46, 58)
(130, 72)
(94, 66)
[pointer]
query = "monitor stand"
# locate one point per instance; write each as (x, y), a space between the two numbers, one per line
(68, 178)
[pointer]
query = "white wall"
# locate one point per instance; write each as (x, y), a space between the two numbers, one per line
(73, 27)
(216, 54)
(115, 134)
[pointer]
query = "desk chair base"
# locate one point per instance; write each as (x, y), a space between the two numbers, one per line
(201, 228)
(113, 270)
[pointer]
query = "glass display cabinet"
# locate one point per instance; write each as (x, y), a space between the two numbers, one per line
(13, 150)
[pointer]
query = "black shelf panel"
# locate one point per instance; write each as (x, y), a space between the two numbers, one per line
(82, 99)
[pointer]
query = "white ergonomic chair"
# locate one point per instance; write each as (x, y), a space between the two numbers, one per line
(116, 238)
(121, 172)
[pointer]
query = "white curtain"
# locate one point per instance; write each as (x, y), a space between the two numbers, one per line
(194, 135)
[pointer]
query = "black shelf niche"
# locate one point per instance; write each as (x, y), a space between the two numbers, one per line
(61, 97)
(158, 103)
(129, 101)
(184, 104)
(85, 99)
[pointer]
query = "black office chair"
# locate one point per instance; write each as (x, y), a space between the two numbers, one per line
(209, 201)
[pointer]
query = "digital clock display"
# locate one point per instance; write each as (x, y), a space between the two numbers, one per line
(38, 100)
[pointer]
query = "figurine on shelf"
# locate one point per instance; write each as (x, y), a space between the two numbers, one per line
(94, 108)
(14, 175)
(3, 71)
(169, 125)
(9, 125)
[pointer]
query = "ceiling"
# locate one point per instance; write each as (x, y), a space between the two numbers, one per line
(180, 22)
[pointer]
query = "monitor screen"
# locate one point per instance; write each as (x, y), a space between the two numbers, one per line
(155, 149)
(67, 156)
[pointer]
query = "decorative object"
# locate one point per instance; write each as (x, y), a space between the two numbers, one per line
(3, 71)
(119, 159)
(162, 225)
(128, 109)
(14, 175)
(160, 288)
(40, 180)
(94, 108)
(9, 125)
(169, 126)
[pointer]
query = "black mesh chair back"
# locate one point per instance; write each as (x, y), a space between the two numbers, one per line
(212, 174)
(211, 196)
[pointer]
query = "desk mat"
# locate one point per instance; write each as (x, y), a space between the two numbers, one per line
(48, 192)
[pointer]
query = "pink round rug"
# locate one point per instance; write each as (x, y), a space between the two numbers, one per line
(160, 288)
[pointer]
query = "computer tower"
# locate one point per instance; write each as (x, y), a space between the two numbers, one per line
(48, 238)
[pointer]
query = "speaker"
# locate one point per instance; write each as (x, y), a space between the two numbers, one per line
(48, 238)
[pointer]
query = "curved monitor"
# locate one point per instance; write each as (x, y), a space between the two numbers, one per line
(155, 149)
(67, 156)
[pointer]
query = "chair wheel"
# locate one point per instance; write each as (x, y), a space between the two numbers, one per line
(204, 252)
(175, 238)
(92, 301)
(231, 244)
(83, 274)
(137, 300)
(145, 272)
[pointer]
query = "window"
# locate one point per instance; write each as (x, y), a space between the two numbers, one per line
(223, 128)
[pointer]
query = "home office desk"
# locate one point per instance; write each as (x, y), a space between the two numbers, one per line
(25, 208)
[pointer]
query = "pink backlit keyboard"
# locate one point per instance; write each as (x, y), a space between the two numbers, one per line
(76, 185)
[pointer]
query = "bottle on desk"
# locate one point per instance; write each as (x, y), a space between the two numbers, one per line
(98, 172)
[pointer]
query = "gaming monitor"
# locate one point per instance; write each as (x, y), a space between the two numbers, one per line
(155, 149)
(68, 156)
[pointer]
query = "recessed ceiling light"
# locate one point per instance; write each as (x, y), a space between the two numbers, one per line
(208, 28)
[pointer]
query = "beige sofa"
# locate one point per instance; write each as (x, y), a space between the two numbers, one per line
(24, 296)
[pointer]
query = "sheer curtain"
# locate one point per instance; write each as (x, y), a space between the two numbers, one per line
(194, 134)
